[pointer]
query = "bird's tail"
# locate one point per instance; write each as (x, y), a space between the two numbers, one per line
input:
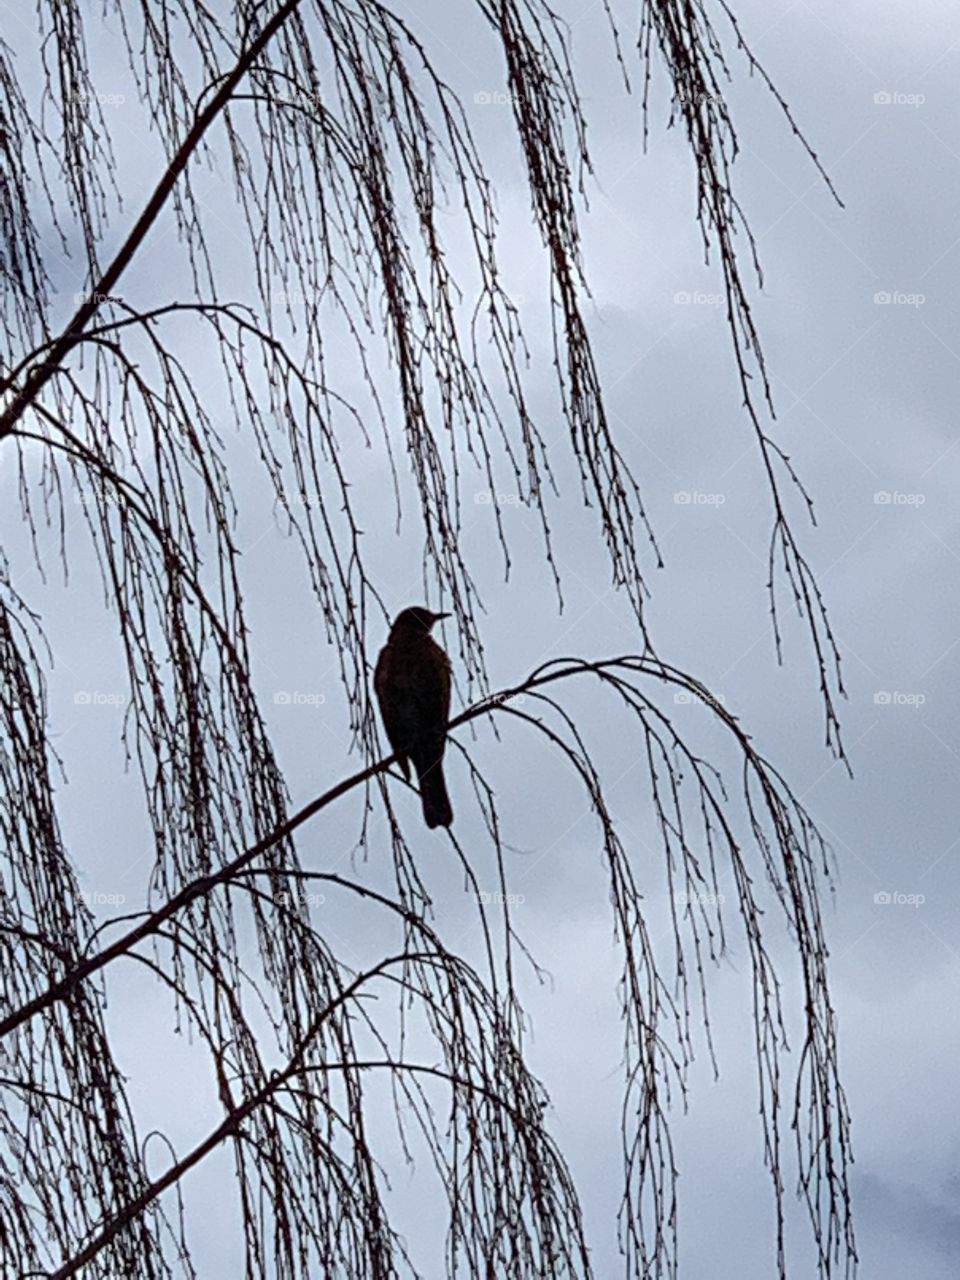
(433, 794)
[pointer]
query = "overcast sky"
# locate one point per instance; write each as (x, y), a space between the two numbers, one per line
(860, 316)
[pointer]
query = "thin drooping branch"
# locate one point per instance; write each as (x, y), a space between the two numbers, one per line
(344, 144)
(336, 123)
(227, 1128)
(220, 95)
(202, 886)
(788, 845)
(190, 893)
(692, 48)
(74, 1081)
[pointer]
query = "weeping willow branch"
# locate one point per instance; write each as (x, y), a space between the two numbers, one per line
(42, 372)
(659, 1045)
(348, 154)
(226, 1129)
(344, 144)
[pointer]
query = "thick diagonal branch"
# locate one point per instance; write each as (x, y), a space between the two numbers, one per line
(73, 333)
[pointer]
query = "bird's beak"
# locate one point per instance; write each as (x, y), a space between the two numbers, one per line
(438, 616)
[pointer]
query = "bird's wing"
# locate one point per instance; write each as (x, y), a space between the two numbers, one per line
(433, 691)
(389, 710)
(445, 680)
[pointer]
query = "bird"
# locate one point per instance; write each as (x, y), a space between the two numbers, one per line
(412, 684)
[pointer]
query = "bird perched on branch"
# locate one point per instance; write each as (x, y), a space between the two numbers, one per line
(412, 683)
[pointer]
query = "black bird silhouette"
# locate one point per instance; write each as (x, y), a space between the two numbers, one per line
(412, 683)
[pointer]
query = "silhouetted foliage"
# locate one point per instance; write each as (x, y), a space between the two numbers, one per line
(343, 142)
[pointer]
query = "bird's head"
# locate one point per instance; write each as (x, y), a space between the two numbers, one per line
(416, 620)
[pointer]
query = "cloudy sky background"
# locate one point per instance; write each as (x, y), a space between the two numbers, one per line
(866, 399)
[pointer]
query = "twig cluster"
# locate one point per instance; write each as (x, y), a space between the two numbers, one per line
(343, 143)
